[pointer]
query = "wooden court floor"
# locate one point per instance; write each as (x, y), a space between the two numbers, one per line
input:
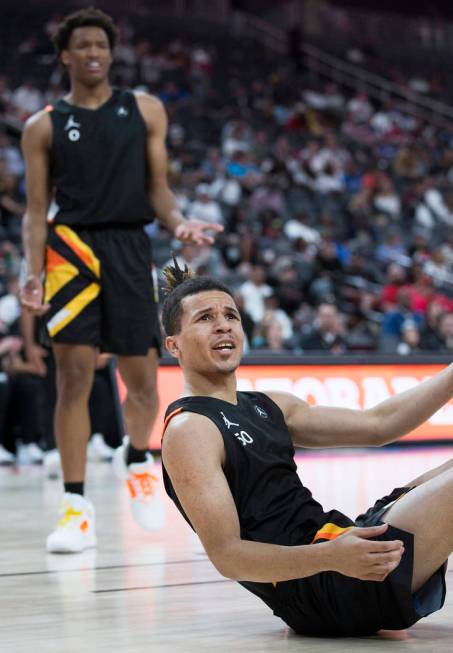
(158, 592)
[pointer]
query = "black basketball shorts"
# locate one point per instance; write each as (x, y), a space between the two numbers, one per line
(332, 605)
(100, 289)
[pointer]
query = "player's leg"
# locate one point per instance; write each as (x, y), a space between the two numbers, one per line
(427, 512)
(73, 288)
(75, 530)
(75, 371)
(133, 463)
(131, 331)
(139, 374)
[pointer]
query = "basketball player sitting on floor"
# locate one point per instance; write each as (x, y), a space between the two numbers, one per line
(229, 467)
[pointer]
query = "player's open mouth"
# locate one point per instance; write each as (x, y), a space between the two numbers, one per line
(225, 346)
(94, 66)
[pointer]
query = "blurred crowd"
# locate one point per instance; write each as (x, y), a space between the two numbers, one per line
(337, 210)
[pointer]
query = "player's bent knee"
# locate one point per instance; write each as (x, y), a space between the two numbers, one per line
(74, 381)
(145, 396)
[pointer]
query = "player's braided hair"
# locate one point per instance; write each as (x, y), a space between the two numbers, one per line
(89, 17)
(174, 275)
(181, 283)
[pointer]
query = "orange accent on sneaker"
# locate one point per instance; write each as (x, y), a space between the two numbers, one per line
(84, 526)
(131, 487)
(142, 482)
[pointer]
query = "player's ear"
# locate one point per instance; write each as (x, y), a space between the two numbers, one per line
(172, 346)
(64, 57)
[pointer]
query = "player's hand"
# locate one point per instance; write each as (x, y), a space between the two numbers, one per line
(10, 345)
(31, 296)
(197, 232)
(359, 556)
(35, 356)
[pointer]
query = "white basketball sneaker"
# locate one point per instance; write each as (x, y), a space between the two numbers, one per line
(98, 450)
(75, 530)
(52, 463)
(142, 483)
(29, 454)
(6, 457)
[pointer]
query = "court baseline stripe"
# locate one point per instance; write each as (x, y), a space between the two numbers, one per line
(107, 568)
(156, 587)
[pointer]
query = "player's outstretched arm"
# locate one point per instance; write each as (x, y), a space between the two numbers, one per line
(163, 200)
(322, 426)
(193, 455)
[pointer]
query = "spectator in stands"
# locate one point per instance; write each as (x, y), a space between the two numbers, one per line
(408, 164)
(27, 99)
(236, 139)
(386, 199)
(395, 318)
(268, 197)
(360, 334)
(410, 339)
(204, 208)
(429, 337)
(438, 269)
(254, 291)
(327, 272)
(10, 306)
(274, 308)
(287, 288)
(392, 249)
(327, 334)
(445, 332)
(359, 107)
(270, 334)
(423, 292)
(431, 209)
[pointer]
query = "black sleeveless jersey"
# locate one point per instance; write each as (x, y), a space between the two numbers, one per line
(98, 163)
(272, 503)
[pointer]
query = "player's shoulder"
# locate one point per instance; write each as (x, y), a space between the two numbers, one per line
(287, 402)
(149, 105)
(38, 127)
(188, 431)
(280, 397)
(39, 119)
(187, 425)
(147, 98)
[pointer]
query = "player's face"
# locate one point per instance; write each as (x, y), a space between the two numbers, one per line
(211, 338)
(88, 56)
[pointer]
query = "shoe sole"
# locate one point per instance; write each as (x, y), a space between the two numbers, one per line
(62, 550)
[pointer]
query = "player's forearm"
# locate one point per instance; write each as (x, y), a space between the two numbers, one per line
(405, 411)
(166, 208)
(269, 563)
(34, 235)
(27, 329)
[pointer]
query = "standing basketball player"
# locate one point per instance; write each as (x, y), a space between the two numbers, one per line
(103, 152)
(229, 468)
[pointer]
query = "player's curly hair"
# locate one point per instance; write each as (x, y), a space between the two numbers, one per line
(89, 17)
(182, 283)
